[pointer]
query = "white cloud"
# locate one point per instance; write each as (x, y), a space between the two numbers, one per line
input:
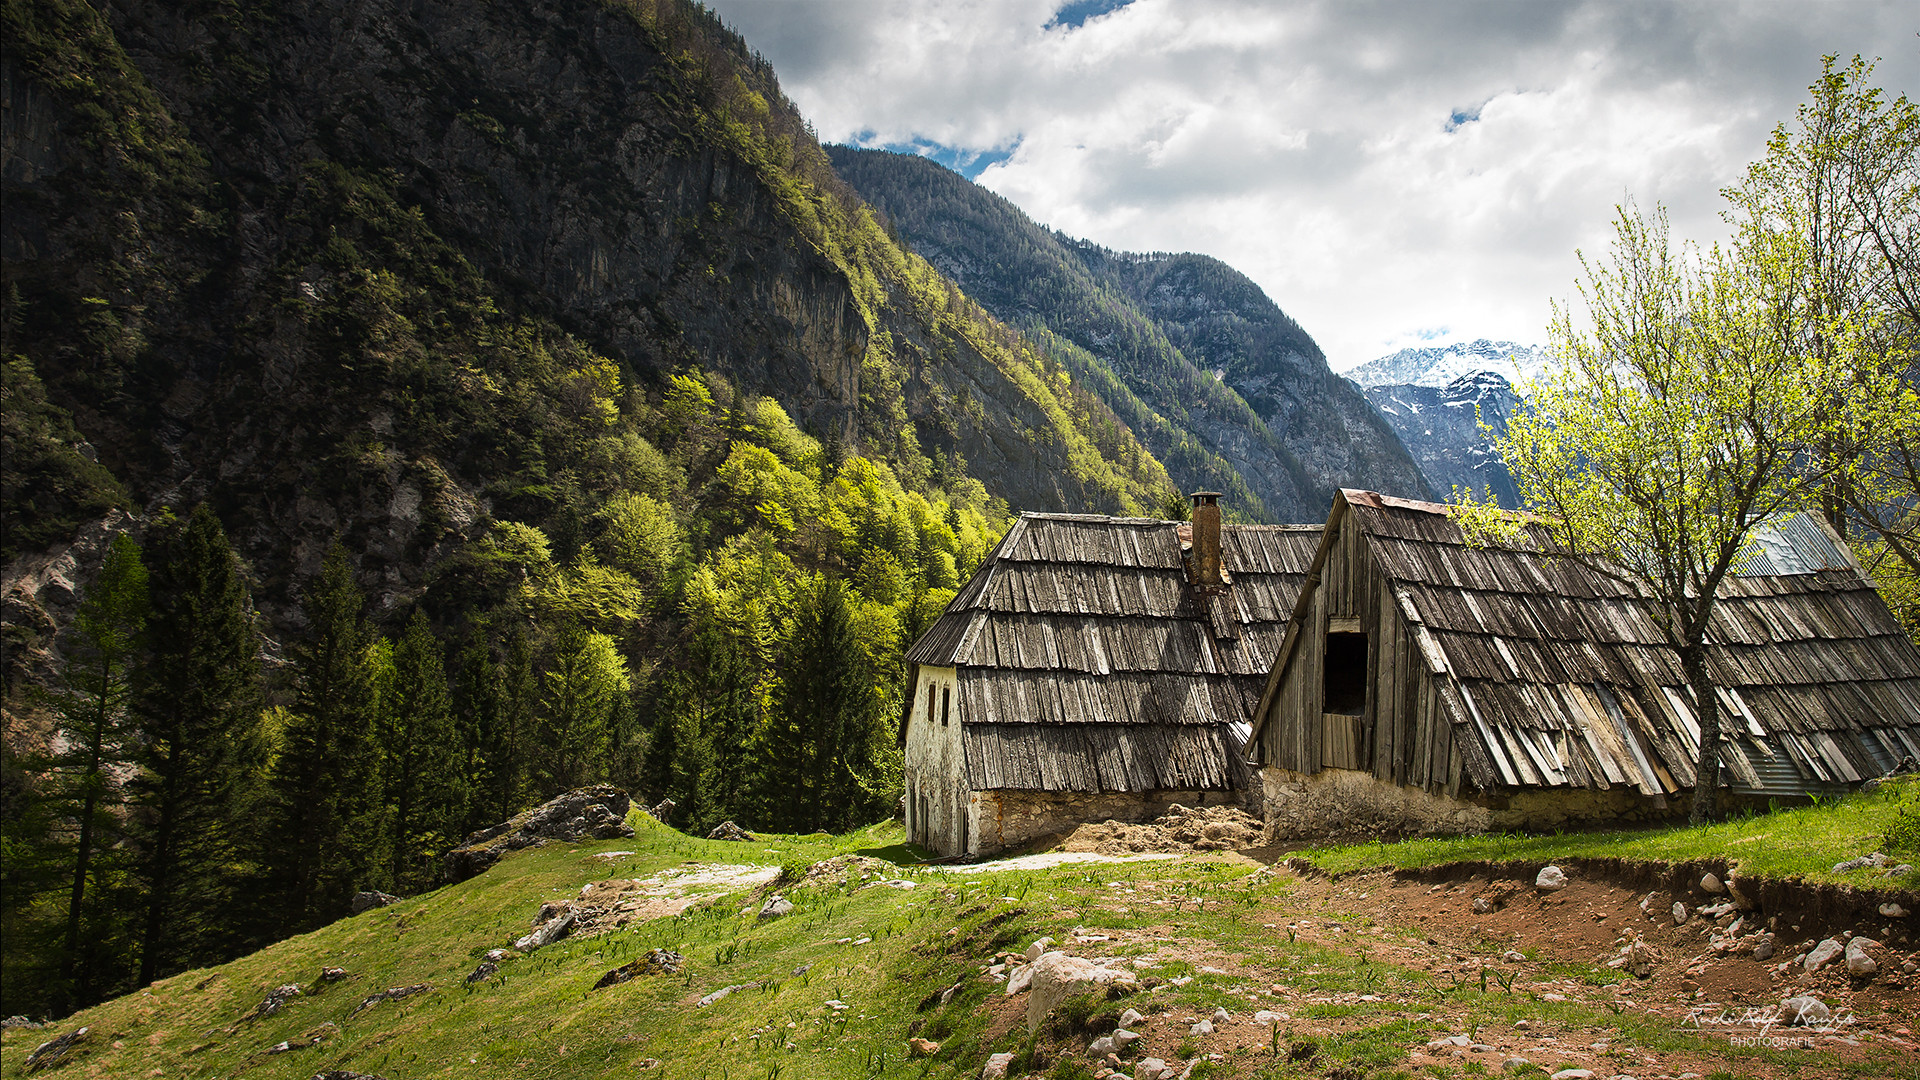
(1316, 148)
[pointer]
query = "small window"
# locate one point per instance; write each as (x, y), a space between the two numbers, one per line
(929, 703)
(1346, 674)
(946, 704)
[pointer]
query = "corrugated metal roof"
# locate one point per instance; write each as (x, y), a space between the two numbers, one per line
(1570, 681)
(1081, 638)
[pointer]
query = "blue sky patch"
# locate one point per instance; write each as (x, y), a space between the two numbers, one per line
(1462, 117)
(1075, 13)
(968, 163)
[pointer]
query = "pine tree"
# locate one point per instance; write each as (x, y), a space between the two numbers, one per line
(821, 712)
(584, 689)
(197, 709)
(426, 793)
(96, 680)
(325, 833)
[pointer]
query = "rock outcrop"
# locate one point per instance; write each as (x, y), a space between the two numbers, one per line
(590, 813)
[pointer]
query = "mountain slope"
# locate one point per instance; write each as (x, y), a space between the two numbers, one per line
(351, 268)
(1440, 426)
(1217, 381)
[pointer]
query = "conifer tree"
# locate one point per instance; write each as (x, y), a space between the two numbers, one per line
(325, 831)
(426, 792)
(96, 680)
(820, 711)
(584, 689)
(197, 709)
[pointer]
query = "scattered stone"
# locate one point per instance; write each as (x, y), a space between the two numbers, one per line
(551, 910)
(367, 901)
(1679, 913)
(1859, 964)
(1861, 863)
(1482, 906)
(727, 830)
(1741, 898)
(1892, 910)
(391, 994)
(54, 1051)
(996, 1067)
(1265, 1016)
(1516, 1063)
(1805, 1011)
(1711, 883)
(1823, 954)
(1637, 957)
(1204, 1027)
(1550, 879)
(1714, 911)
(720, 993)
(1221, 1016)
(344, 1074)
(899, 883)
(1573, 1074)
(332, 974)
(291, 1044)
(589, 813)
(919, 1048)
(1513, 956)
(775, 907)
(661, 811)
(483, 971)
(656, 962)
(1764, 949)
(1130, 1018)
(549, 932)
(1039, 947)
(12, 1022)
(269, 1005)
(1152, 1068)
(1057, 975)
(1181, 828)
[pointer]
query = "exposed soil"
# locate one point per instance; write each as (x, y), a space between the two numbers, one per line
(1550, 946)
(1180, 829)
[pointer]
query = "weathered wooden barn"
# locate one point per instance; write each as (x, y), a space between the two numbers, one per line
(1424, 685)
(1095, 668)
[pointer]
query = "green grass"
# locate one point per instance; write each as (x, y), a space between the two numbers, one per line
(1803, 842)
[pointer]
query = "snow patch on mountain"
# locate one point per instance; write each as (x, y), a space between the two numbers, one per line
(1440, 366)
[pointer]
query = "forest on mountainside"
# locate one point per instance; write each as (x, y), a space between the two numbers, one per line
(457, 433)
(1225, 389)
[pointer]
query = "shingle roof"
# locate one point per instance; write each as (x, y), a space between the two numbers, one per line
(1087, 662)
(1567, 678)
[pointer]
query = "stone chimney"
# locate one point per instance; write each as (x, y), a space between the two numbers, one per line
(1206, 540)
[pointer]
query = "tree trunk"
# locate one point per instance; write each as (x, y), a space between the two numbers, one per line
(1693, 660)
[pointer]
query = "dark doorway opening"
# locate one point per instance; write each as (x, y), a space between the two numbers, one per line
(1346, 674)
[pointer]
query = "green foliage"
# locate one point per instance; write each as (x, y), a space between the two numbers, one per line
(425, 784)
(49, 488)
(582, 702)
(1903, 832)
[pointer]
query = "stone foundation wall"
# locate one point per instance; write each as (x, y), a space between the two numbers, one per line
(1335, 802)
(1004, 819)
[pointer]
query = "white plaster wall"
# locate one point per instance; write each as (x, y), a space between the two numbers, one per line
(936, 767)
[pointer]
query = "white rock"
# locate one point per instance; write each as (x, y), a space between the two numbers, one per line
(1805, 1011)
(1482, 906)
(1057, 975)
(996, 1067)
(1130, 1018)
(775, 907)
(1892, 910)
(1034, 950)
(1764, 950)
(1741, 898)
(1858, 962)
(1122, 1038)
(1679, 913)
(1573, 1074)
(1151, 1069)
(1204, 1027)
(1823, 954)
(1221, 1016)
(1019, 979)
(1550, 878)
(1711, 883)
(1516, 1063)
(1102, 1046)
(1265, 1016)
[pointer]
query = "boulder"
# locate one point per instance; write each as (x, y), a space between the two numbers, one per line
(727, 830)
(1679, 913)
(1056, 976)
(1804, 1011)
(656, 962)
(1891, 910)
(1860, 862)
(549, 932)
(1763, 950)
(661, 811)
(55, 1050)
(1742, 898)
(391, 994)
(1711, 883)
(271, 1003)
(1859, 964)
(919, 1048)
(996, 1067)
(1823, 954)
(590, 813)
(1550, 879)
(775, 907)
(1152, 1068)
(367, 901)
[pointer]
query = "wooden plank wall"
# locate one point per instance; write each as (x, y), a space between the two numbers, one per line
(1405, 735)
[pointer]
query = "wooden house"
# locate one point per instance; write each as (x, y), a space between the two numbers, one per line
(1095, 668)
(1424, 685)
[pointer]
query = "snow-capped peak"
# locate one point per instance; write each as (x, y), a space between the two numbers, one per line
(1443, 364)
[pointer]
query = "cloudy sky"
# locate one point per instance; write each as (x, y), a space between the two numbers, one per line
(1390, 173)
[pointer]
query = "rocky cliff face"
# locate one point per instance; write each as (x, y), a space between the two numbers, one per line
(384, 270)
(1441, 428)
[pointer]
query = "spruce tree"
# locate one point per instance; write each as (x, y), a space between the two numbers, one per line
(197, 710)
(426, 792)
(583, 692)
(821, 712)
(325, 828)
(96, 686)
